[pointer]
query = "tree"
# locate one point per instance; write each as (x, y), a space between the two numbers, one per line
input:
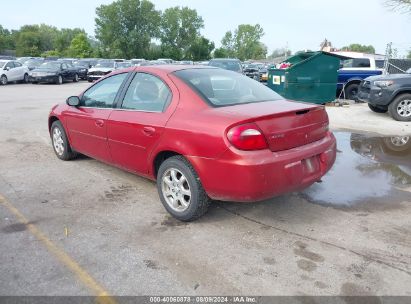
(64, 38)
(200, 49)
(33, 40)
(221, 53)
(29, 41)
(409, 55)
(400, 5)
(7, 41)
(180, 31)
(369, 49)
(245, 43)
(80, 47)
(125, 28)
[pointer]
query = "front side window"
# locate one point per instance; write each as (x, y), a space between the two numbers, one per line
(103, 93)
(223, 88)
(17, 64)
(147, 93)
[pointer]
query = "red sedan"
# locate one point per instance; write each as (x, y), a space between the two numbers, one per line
(203, 133)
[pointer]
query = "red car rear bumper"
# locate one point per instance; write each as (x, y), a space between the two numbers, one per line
(249, 176)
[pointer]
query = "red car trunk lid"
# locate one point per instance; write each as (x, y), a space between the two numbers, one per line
(285, 124)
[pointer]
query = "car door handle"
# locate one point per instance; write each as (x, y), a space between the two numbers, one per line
(99, 123)
(149, 131)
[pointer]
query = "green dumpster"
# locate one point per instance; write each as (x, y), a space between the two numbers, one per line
(311, 77)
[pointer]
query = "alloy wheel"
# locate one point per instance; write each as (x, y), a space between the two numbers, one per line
(404, 108)
(176, 190)
(3, 80)
(400, 141)
(58, 142)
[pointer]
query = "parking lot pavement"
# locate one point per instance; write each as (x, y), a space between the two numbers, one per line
(112, 225)
(360, 118)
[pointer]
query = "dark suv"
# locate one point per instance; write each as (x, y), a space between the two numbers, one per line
(388, 93)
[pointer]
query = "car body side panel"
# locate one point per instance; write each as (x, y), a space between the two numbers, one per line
(87, 129)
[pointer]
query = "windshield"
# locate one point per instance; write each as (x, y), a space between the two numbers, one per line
(51, 65)
(224, 88)
(2, 63)
(123, 65)
(33, 63)
(106, 64)
(231, 65)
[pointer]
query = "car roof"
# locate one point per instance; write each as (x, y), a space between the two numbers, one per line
(166, 68)
(225, 59)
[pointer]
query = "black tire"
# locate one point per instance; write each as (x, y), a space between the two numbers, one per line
(75, 79)
(34, 82)
(89, 80)
(395, 108)
(351, 91)
(68, 152)
(199, 201)
(59, 80)
(3, 80)
(377, 109)
(26, 78)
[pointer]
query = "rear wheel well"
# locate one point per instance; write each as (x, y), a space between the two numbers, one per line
(51, 120)
(160, 158)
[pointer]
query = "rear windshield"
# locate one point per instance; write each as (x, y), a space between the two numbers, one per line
(223, 88)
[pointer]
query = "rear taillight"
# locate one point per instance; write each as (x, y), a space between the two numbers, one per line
(247, 137)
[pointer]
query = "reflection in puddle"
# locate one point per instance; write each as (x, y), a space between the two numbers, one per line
(367, 168)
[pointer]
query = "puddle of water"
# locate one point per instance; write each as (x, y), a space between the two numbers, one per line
(368, 169)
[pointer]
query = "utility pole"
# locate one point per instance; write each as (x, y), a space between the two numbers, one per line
(388, 54)
(286, 51)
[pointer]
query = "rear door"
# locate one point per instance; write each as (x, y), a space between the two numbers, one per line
(87, 123)
(136, 126)
(19, 70)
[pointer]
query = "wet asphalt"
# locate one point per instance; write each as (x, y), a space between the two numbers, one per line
(348, 235)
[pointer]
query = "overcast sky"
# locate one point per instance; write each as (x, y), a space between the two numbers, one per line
(300, 23)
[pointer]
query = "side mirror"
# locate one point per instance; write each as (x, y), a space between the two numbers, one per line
(73, 101)
(7, 69)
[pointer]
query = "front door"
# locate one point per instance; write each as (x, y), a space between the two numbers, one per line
(87, 123)
(136, 126)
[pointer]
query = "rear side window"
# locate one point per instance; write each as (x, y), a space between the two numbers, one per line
(147, 93)
(17, 64)
(379, 64)
(357, 63)
(103, 93)
(223, 88)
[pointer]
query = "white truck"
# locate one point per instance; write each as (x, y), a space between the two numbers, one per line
(355, 69)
